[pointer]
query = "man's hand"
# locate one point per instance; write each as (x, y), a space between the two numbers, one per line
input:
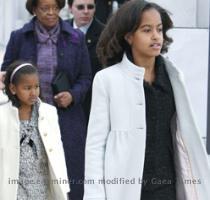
(2, 76)
(63, 99)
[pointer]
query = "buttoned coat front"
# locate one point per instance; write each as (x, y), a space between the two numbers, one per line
(10, 150)
(115, 146)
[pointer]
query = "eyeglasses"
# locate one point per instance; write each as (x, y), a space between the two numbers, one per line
(88, 6)
(46, 10)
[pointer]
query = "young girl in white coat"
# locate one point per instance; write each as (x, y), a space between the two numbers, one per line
(31, 152)
(142, 141)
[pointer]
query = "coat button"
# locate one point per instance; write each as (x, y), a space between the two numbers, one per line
(109, 3)
(45, 134)
(137, 78)
(41, 118)
(139, 103)
(50, 150)
(89, 41)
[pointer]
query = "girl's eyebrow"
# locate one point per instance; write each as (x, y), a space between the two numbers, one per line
(148, 25)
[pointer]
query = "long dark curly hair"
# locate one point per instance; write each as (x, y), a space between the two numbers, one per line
(112, 43)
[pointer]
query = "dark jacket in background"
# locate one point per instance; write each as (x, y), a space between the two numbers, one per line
(92, 36)
(104, 9)
(73, 59)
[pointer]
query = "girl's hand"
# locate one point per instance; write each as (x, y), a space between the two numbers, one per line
(63, 99)
(2, 76)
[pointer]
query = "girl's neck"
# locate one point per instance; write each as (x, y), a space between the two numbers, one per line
(25, 112)
(149, 66)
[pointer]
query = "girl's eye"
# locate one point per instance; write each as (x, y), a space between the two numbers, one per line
(146, 30)
(160, 30)
(27, 88)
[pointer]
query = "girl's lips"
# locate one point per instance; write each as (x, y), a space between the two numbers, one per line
(33, 99)
(156, 45)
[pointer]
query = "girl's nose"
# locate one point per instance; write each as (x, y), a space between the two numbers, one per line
(33, 92)
(155, 34)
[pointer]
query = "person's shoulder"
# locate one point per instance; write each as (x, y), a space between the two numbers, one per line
(109, 73)
(171, 68)
(76, 35)
(96, 26)
(47, 105)
(98, 23)
(67, 27)
(47, 109)
(69, 21)
(27, 27)
(6, 106)
(110, 77)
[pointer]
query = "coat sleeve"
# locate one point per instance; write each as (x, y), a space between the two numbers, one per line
(98, 130)
(11, 53)
(84, 79)
(61, 158)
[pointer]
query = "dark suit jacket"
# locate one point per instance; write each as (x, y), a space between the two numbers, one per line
(104, 9)
(92, 36)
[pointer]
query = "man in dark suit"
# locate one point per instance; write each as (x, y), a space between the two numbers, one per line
(83, 12)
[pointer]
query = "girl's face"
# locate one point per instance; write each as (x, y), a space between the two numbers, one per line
(146, 42)
(27, 89)
(47, 12)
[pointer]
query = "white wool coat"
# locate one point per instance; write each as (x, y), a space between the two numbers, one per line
(10, 150)
(115, 146)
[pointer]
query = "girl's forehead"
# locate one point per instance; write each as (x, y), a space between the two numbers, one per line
(151, 15)
(28, 77)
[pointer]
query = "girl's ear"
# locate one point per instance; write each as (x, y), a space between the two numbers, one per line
(12, 88)
(34, 11)
(129, 38)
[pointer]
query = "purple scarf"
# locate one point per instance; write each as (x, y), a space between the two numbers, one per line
(46, 58)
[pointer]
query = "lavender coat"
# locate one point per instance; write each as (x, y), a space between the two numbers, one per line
(74, 60)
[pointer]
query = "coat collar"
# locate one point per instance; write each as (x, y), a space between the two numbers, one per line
(172, 70)
(135, 71)
(130, 68)
(93, 28)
